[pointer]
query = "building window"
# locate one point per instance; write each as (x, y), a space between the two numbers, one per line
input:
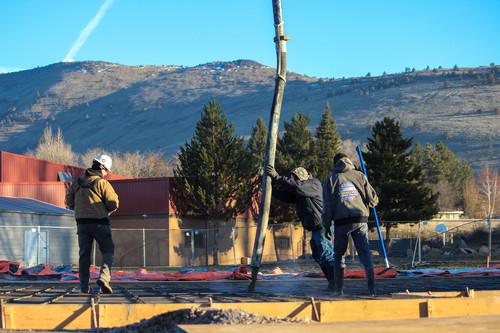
(282, 242)
(64, 177)
(199, 239)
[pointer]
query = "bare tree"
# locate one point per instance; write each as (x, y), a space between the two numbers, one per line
(52, 147)
(472, 204)
(447, 196)
(87, 157)
(134, 165)
(488, 190)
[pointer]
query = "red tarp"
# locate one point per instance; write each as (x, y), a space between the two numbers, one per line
(9, 270)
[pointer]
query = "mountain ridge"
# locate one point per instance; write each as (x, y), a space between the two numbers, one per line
(130, 108)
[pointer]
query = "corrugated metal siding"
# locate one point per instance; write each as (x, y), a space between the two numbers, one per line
(62, 247)
(50, 192)
(18, 168)
(28, 177)
(142, 196)
(137, 196)
(30, 205)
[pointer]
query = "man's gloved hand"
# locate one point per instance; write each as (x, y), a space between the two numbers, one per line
(327, 232)
(271, 172)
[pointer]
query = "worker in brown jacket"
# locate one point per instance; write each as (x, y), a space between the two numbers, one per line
(93, 199)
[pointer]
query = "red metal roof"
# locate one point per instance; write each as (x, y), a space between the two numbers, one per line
(18, 168)
(27, 177)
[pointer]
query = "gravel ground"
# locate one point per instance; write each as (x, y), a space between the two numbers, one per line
(169, 321)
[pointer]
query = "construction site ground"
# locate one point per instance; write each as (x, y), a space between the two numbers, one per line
(287, 303)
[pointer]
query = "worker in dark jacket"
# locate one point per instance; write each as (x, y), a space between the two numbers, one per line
(306, 192)
(347, 196)
(93, 199)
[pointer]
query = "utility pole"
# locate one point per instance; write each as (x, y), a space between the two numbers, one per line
(272, 137)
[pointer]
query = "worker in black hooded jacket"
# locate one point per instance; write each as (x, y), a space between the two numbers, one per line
(307, 194)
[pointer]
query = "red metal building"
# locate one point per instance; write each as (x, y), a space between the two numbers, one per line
(28, 177)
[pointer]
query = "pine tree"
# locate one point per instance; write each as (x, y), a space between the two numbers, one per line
(442, 166)
(296, 147)
(327, 144)
(257, 145)
(393, 173)
(450, 169)
(213, 173)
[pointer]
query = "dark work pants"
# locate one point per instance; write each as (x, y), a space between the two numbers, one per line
(102, 235)
(359, 234)
(322, 249)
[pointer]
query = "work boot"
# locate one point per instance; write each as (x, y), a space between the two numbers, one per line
(338, 277)
(331, 279)
(370, 278)
(328, 271)
(84, 289)
(105, 287)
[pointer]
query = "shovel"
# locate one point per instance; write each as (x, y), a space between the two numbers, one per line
(376, 218)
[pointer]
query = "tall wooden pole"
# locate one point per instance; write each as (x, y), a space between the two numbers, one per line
(272, 137)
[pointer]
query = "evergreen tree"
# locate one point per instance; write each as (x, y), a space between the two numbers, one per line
(450, 169)
(327, 144)
(296, 147)
(442, 166)
(393, 173)
(257, 145)
(213, 173)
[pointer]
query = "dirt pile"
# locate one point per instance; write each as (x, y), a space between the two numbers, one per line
(168, 322)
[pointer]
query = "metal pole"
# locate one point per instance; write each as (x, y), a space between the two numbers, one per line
(272, 137)
(419, 243)
(38, 245)
(489, 240)
(206, 242)
(192, 247)
(234, 246)
(93, 256)
(351, 247)
(143, 247)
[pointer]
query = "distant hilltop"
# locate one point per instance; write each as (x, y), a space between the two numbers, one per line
(141, 108)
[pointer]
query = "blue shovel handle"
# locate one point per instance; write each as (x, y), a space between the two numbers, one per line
(358, 148)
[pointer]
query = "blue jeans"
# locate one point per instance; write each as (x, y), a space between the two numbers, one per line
(322, 249)
(86, 235)
(359, 234)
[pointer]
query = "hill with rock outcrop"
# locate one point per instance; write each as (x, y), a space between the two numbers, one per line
(155, 108)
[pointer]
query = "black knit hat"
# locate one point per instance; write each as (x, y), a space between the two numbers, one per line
(338, 157)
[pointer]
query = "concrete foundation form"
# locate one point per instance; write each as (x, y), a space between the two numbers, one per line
(60, 306)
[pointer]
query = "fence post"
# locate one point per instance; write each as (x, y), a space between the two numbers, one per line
(291, 241)
(93, 256)
(419, 243)
(489, 240)
(234, 244)
(38, 245)
(143, 247)
(351, 248)
(192, 247)
(206, 249)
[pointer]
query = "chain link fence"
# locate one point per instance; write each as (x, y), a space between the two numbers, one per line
(413, 242)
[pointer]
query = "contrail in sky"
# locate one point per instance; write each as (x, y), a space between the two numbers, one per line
(88, 30)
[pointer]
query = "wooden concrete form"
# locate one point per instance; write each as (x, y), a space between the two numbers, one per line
(74, 316)
(442, 325)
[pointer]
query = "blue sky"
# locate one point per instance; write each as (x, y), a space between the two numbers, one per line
(329, 38)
